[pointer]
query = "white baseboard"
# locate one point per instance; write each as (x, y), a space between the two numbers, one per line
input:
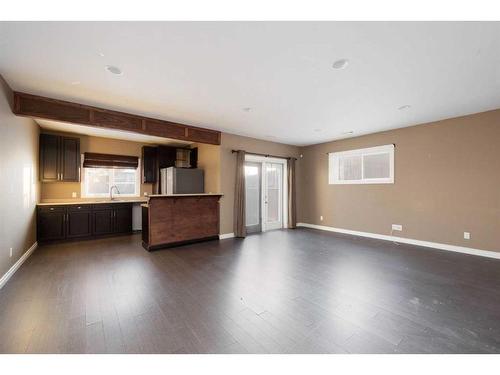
(226, 235)
(16, 265)
(435, 245)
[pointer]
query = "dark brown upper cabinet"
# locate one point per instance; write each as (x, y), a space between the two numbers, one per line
(49, 157)
(149, 165)
(59, 158)
(166, 156)
(70, 159)
(193, 157)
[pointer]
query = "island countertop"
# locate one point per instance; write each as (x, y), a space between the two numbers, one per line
(183, 195)
(146, 204)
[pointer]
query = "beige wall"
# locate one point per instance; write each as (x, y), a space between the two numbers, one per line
(228, 168)
(53, 191)
(209, 161)
(19, 187)
(447, 181)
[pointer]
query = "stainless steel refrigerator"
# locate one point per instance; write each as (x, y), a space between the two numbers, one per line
(182, 180)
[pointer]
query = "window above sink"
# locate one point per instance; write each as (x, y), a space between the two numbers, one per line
(97, 182)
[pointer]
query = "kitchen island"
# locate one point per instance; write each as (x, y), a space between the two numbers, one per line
(176, 219)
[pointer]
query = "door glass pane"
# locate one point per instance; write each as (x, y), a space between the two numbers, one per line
(273, 191)
(252, 195)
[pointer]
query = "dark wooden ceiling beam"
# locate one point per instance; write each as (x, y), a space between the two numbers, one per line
(52, 109)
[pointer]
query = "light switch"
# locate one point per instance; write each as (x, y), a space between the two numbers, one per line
(466, 235)
(73, 194)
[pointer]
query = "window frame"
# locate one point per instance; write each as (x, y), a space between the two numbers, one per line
(83, 185)
(334, 165)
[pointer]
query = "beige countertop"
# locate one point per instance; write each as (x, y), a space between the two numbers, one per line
(184, 195)
(70, 202)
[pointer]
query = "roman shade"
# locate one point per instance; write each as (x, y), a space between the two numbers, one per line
(94, 160)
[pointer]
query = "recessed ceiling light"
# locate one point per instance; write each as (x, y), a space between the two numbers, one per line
(114, 70)
(317, 130)
(101, 54)
(247, 109)
(340, 64)
(406, 106)
(348, 132)
(75, 82)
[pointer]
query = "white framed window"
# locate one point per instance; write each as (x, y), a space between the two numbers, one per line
(98, 181)
(374, 165)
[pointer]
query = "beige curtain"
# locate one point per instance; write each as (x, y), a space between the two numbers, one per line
(292, 205)
(239, 197)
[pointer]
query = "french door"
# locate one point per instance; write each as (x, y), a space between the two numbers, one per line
(273, 196)
(264, 195)
(253, 197)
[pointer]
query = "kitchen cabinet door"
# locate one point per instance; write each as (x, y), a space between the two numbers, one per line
(102, 221)
(59, 158)
(49, 157)
(79, 222)
(70, 159)
(149, 164)
(51, 224)
(123, 219)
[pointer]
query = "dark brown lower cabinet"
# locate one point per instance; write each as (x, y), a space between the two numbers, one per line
(56, 223)
(123, 219)
(103, 221)
(78, 221)
(51, 224)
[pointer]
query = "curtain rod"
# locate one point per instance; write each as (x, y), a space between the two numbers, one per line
(265, 155)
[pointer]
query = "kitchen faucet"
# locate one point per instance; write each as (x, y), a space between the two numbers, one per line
(111, 192)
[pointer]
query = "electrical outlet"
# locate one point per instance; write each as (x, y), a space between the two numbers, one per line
(321, 218)
(397, 227)
(466, 235)
(11, 252)
(73, 194)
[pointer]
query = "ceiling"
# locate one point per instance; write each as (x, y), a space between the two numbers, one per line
(57, 126)
(269, 80)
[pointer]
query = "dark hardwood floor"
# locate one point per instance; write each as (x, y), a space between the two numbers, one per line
(295, 291)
